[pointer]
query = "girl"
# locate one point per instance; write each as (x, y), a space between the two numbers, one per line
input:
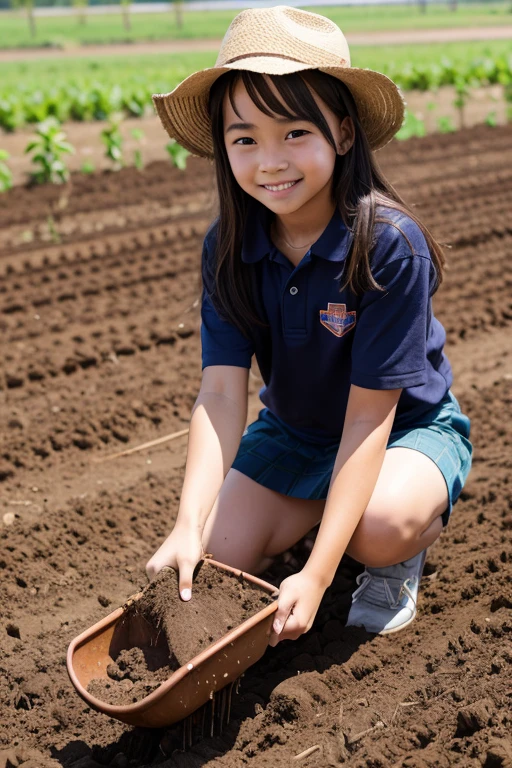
(317, 267)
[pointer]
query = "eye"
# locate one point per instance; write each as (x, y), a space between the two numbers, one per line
(298, 130)
(244, 139)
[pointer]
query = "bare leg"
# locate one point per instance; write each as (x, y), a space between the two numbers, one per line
(250, 524)
(404, 513)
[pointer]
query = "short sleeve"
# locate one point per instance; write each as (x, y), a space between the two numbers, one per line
(390, 341)
(222, 343)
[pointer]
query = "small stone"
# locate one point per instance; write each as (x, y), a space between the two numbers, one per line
(9, 518)
(104, 601)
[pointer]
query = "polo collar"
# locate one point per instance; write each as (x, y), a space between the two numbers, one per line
(332, 245)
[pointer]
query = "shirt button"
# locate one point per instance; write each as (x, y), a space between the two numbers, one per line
(294, 290)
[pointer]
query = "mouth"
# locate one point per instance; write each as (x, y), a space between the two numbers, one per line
(283, 187)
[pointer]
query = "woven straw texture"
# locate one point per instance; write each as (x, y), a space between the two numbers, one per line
(278, 41)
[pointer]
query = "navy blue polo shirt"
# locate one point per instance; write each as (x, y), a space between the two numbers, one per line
(319, 340)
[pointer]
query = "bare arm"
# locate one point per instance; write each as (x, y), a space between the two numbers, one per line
(368, 422)
(216, 425)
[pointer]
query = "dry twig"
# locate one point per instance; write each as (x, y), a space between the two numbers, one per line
(306, 753)
(403, 704)
(151, 443)
(378, 725)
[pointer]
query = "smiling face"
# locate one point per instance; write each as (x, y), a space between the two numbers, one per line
(285, 163)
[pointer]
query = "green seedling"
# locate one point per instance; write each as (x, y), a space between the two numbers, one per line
(111, 137)
(5, 171)
(52, 229)
(445, 125)
(508, 101)
(138, 135)
(462, 90)
(491, 120)
(48, 148)
(413, 126)
(87, 167)
(178, 154)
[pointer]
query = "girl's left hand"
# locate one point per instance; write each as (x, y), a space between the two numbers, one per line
(299, 599)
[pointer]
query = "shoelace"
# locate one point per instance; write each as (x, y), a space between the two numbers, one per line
(364, 580)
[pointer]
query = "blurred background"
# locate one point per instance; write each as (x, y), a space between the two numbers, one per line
(93, 66)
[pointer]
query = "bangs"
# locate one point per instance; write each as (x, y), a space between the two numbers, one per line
(296, 100)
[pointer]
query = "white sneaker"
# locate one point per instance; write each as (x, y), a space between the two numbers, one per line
(385, 600)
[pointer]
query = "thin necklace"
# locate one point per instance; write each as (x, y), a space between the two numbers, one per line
(295, 247)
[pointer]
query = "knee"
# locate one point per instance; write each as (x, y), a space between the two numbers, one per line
(381, 536)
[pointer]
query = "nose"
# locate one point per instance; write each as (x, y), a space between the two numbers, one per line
(272, 162)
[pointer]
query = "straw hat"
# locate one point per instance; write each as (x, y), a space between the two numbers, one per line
(278, 41)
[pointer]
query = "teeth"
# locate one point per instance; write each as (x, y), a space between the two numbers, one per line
(279, 187)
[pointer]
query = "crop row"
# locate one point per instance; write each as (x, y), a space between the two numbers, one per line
(81, 98)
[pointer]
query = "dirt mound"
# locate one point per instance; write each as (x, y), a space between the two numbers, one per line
(100, 351)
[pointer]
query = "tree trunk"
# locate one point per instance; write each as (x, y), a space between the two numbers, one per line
(126, 17)
(31, 20)
(178, 9)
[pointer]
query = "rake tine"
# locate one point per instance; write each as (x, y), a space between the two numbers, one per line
(230, 694)
(202, 720)
(222, 708)
(212, 719)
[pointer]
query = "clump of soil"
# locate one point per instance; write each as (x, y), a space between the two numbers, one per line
(220, 602)
(131, 678)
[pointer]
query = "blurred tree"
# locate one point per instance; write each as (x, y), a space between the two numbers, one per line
(125, 8)
(28, 6)
(80, 6)
(178, 10)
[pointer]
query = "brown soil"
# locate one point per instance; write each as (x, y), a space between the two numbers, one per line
(388, 37)
(220, 602)
(100, 351)
(134, 674)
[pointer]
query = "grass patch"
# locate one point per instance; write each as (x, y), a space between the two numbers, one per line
(109, 28)
(96, 88)
(164, 71)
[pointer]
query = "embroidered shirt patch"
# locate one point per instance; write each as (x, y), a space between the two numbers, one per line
(337, 320)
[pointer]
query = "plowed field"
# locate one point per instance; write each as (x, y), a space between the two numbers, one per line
(99, 322)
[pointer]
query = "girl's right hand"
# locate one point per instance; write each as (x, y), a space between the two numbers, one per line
(181, 550)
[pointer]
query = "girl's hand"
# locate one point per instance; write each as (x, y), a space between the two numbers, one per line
(181, 550)
(299, 598)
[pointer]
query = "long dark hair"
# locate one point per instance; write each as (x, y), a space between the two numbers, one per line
(358, 187)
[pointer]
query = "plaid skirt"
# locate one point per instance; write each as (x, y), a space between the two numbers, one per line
(274, 457)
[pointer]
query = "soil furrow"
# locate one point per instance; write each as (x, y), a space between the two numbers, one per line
(101, 352)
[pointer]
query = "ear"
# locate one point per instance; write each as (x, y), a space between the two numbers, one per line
(346, 136)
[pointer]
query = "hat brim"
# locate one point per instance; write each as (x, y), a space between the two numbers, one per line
(184, 111)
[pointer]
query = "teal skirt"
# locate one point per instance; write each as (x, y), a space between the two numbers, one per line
(277, 459)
